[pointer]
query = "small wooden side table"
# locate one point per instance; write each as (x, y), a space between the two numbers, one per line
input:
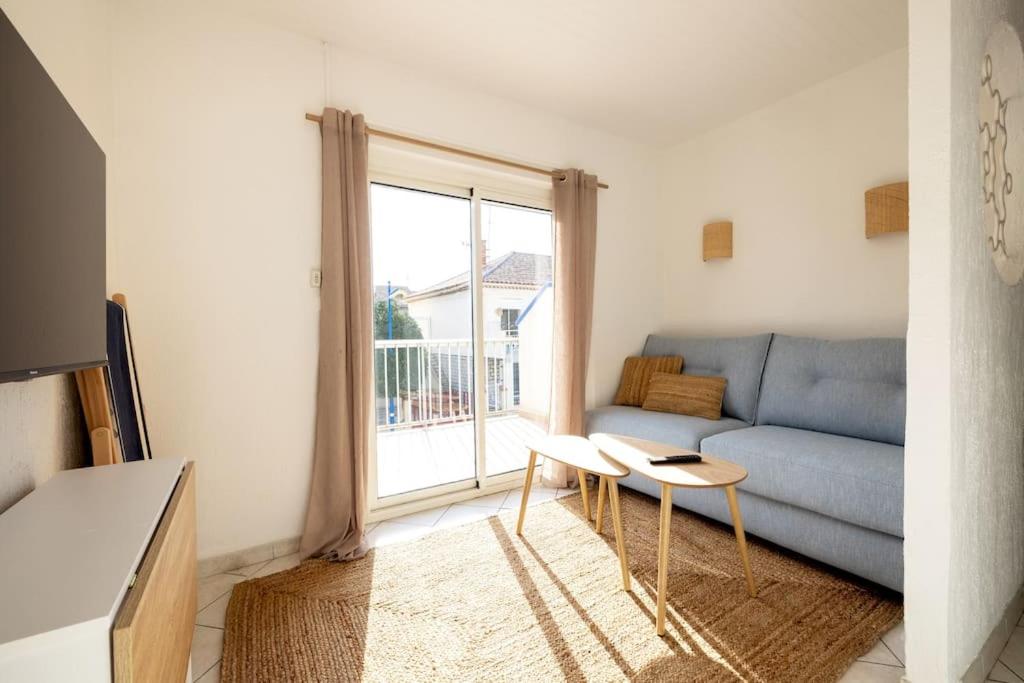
(712, 472)
(581, 454)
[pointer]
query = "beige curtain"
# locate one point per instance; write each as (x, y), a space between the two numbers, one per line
(337, 498)
(575, 251)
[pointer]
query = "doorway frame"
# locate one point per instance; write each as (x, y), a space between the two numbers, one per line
(419, 172)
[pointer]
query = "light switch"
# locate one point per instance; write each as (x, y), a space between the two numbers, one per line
(315, 278)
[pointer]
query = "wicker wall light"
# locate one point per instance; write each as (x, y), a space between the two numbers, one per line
(887, 209)
(718, 240)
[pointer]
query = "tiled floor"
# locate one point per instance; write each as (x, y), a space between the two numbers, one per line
(883, 664)
(214, 592)
(1010, 667)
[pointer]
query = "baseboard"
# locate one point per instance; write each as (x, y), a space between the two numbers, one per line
(977, 672)
(243, 558)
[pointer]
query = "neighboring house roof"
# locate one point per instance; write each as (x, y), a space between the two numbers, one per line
(515, 269)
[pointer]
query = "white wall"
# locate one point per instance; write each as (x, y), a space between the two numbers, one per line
(626, 288)
(447, 317)
(791, 177)
(450, 316)
(535, 341)
(41, 426)
(965, 415)
(218, 195)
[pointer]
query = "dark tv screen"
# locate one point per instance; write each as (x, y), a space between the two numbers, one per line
(52, 224)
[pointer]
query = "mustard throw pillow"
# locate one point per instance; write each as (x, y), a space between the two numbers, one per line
(636, 373)
(686, 395)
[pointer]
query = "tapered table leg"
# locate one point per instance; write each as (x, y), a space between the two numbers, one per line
(620, 544)
(526, 492)
(586, 494)
(601, 486)
(663, 535)
(741, 538)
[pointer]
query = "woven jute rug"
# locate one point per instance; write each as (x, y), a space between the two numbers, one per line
(478, 603)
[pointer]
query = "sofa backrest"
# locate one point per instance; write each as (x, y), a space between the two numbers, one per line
(739, 359)
(852, 388)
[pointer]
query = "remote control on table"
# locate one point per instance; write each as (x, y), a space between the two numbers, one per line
(681, 459)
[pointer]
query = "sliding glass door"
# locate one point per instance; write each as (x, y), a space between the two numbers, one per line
(423, 340)
(517, 310)
(462, 326)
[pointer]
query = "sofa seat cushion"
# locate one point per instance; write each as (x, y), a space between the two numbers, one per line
(853, 480)
(684, 431)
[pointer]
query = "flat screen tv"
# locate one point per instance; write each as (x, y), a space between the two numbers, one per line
(52, 224)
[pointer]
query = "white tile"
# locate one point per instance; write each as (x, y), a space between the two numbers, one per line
(249, 570)
(865, 672)
(422, 518)
(538, 494)
(213, 614)
(880, 654)
(212, 587)
(1002, 674)
(389, 533)
(211, 676)
(896, 640)
(207, 645)
(1013, 653)
(459, 514)
(279, 564)
(562, 493)
(493, 500)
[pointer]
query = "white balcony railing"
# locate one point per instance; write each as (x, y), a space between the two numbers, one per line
(430, 381)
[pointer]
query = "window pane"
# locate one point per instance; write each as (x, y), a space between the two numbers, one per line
(517, 309)
(423, 323)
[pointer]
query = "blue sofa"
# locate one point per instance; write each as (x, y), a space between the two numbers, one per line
(819, 426)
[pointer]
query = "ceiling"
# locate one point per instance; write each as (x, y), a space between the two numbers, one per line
(657, 71)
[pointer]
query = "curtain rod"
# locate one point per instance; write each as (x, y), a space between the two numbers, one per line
(456, 150)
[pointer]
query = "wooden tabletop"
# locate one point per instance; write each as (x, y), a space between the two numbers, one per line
(578, 452)
(633, 453)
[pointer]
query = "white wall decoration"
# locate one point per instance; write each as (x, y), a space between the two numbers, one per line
(1000, 116)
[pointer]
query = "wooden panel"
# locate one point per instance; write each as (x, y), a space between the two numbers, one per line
(92, 390)
(579, 453)
(101, 440)
(153, 630)
(633, 453)
(887, 209)
(718, 240)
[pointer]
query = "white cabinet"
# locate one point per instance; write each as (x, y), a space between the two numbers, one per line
(69, 555)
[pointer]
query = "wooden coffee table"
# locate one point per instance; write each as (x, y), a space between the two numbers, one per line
(581, 454)
(712, 472)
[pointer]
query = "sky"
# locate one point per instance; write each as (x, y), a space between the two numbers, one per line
(420, 238)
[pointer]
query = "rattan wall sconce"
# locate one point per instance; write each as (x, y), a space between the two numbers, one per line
(718, 240)
(887, 209)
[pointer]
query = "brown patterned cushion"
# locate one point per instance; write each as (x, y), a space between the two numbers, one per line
(636, 373)
(686, 395)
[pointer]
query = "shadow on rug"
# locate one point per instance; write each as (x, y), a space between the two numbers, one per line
(478, 603)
